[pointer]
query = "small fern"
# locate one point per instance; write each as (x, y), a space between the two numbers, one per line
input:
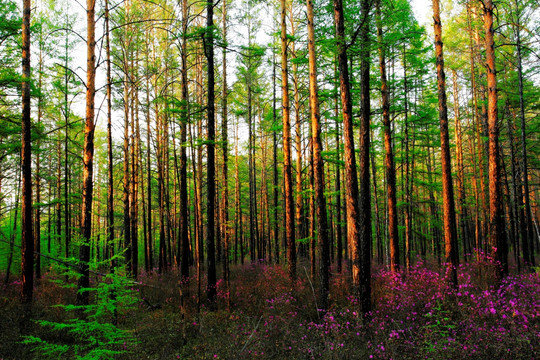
(91, 334)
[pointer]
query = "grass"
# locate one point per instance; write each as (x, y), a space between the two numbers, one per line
(268, 317)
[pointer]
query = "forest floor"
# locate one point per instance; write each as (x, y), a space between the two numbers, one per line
(266, 316)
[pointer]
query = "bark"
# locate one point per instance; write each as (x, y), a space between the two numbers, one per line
(351, 178)
(525, 205)
(393, 235)
(365, 188)
(27, 240)
(409, 165)
(135, 151)
(497, 237)
(211, 162)
(460, 179)
(184, 234)
(318, 165)
(149, 247)
(339, 237)
(225, 144)
(37, 217)
(126, 178)
(299, 199)
(449, 211)
(110, 183)
(287, 168)
(88, 156)
(275, 162)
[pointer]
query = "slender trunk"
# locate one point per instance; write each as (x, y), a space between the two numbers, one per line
(496, 232)
(318, 165)
(149, 250)
(460, 179)
(110, 181)
(15, 222)
(126, 178)
(299, 200)
(389, 158)
(409, 165)
(449, 211)
(184, 235)
(225, 144)
(274, 160)
(135, 151)
(37, 218)
(525, 205)
(86, 223)
(287, 168)
(339, 237)
(27, 239)
(211, 162)
(352, 206)
(364, 176)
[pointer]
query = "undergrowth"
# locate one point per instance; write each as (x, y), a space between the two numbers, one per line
(265, 316)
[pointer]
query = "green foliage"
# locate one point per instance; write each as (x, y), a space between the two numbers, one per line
(91, 333)
(438, 329)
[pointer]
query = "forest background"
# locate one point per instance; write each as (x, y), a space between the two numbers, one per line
(330, 157)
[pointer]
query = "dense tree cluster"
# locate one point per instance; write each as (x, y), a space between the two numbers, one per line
(386, 142)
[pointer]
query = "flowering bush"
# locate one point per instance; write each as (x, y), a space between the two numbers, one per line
(263, 315)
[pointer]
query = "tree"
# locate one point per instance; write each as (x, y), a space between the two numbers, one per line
(318, 165)
(287, 168)
(88, 158)
(351, 178)
(27, 239)
(365, 188)
(389, 158)
(211, 162)
(449, 212)
(497, 239)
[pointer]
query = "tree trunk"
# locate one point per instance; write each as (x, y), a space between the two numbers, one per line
(352, 207)
(460, 179)
(126, 178)
(211, 158)
(184, 238)
(274, 161)
(110, 180)
(449, 211)
(27, 240)
(496, 231)
(287, 168)
(525, 205)
(365, 188)
(318, 165)
(393, 235)
(86, 223)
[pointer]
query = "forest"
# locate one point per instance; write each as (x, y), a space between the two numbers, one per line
(289, 179)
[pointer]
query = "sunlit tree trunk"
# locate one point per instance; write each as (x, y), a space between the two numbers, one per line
(318, 166)
(88, 157)
(351, 178)
(287, 168)
(496, 231)
(460, 179)
(449, 211)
